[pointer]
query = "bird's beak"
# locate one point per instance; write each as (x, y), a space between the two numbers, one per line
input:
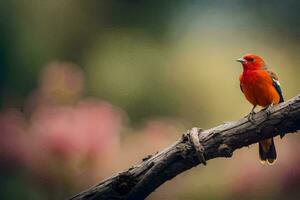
(241, 60)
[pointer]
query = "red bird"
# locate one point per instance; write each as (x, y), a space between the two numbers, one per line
(261, 87)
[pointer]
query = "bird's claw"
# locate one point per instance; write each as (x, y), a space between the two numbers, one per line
(269, 109)
(251, 116)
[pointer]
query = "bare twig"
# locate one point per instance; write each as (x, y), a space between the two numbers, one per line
(195, 147)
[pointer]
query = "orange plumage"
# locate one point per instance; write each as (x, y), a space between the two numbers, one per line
(261, 87)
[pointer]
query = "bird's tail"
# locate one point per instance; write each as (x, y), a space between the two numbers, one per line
(267, 151)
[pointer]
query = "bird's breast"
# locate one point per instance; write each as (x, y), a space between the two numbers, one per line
(258, 88)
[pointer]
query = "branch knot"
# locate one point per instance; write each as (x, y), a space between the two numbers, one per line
(225, 150)
(194, 138)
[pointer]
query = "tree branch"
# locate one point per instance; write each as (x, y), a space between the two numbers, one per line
(139, 181)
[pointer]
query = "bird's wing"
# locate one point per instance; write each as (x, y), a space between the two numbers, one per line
(276, 84)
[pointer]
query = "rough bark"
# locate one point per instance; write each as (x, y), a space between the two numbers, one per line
(140, 180)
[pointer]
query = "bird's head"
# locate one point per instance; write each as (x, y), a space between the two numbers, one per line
(251, 62)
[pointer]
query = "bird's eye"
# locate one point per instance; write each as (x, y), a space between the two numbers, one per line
(250, 59)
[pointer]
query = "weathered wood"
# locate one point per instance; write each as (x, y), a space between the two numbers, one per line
(139, 181)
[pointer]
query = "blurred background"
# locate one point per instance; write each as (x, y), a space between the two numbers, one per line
(89, 88)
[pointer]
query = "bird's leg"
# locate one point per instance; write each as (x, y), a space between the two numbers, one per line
(251, 115)
(268, 109)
